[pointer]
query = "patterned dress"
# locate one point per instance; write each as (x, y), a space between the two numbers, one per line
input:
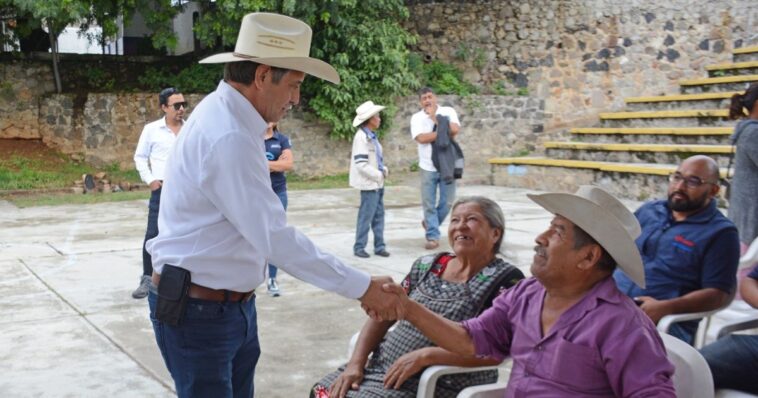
(454, 301)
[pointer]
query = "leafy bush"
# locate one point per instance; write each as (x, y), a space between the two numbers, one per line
(196, 78)
(445, 79)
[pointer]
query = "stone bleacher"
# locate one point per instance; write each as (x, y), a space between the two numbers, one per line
(632, 152)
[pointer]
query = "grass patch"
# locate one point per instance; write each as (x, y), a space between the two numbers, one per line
(56, 199)
(19, 172)
(296, 182)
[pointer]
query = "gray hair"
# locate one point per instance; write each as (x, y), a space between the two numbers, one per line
(244, 72)
(491, 212)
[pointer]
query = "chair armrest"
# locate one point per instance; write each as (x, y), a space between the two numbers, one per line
(748, 322)
(665, 323)
(428, 381)
(495, 390)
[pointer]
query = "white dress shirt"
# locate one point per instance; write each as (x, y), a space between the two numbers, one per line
(421, 123)
(219, 217)
(154, 145)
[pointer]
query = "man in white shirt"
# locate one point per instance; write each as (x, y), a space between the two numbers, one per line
(154, 145)
(221, 223)
(424, 131)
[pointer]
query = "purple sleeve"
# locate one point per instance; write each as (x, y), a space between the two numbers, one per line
(637, 365)
(492, 331)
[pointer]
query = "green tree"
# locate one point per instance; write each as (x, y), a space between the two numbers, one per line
(364, 41)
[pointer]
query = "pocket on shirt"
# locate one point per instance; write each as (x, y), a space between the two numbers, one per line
(578, 366)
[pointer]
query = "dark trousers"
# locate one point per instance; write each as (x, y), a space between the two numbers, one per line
(370, 215)
(214, 349)
(152, 230)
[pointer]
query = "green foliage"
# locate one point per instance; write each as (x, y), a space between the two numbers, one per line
(363, 41)
(445, 79)
(480, 58)
(297, 182)
(523, 91)
(97, 77)
(498, 88)
(196, 78)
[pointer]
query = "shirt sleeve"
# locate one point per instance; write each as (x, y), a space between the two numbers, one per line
(452, 115)
(244, 196)
(637, 365)
(721, 260)
(492, 331)
(286, 142)
(417, 125)
(142, 156)
(360, 159)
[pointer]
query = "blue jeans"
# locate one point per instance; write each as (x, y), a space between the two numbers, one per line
(734, 362)
(152, 229)
(435, 211)
(213, 351)
(370, 214)
(283, 198)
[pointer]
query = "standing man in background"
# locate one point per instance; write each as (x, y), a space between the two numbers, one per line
(424, 131)
(154, 145)
(279, 155)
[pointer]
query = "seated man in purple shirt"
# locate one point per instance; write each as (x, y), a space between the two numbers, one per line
(569, 330)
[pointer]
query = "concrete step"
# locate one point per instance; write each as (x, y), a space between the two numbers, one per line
(634, 152)
(717, 84)
(745, 54)
(667, 118)
(717, 100)
(626, 180)
(660, 135)
(733, 68)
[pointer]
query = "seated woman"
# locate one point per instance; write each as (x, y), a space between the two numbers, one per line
(457, 286)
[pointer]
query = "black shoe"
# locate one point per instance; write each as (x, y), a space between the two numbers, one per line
(383, 253)
(361, 253)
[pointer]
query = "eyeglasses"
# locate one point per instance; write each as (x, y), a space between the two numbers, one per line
(690, 182)
(178, 105)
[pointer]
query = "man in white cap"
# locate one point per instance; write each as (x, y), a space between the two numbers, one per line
(367, 174)
(569, 330)
(220, 223)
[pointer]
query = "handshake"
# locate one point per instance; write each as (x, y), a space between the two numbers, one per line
(385, 300)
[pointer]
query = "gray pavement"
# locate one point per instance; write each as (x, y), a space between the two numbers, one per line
(69, 327)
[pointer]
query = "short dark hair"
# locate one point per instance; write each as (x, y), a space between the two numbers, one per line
(746, 100)
(582, 239)
(244, 72)
(425, 90)
(165, 93)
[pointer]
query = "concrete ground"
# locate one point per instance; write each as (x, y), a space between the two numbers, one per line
(70, 327)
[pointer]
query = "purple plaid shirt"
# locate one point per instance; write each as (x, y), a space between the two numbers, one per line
(603, 346)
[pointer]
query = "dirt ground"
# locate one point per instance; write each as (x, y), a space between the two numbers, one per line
(31, 149)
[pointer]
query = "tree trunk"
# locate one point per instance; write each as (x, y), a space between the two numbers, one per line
(54, 52)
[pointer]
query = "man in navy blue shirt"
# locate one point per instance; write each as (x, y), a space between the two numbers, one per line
(689, 248)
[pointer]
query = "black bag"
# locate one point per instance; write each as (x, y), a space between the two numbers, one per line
(459, 161)
(172, 295)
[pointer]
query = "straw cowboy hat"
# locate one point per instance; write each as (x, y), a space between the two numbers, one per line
(279, 41)
(605, 219)
(365, 111)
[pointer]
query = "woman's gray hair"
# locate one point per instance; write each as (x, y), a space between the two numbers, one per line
(491, 212)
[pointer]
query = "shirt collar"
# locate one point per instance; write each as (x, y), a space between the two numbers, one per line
(368, 132)
(241, 106)
(604, 290)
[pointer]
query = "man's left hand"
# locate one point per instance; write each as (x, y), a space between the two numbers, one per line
(655, 309)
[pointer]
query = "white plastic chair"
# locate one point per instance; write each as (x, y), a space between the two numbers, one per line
(428, 380)
(665, 323)
(692, 377)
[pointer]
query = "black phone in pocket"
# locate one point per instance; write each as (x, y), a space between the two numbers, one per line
(172, 294)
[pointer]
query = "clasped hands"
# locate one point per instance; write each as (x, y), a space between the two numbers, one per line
(384, 300)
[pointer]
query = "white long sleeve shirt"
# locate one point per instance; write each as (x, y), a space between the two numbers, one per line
(154, 145)
(219, 217)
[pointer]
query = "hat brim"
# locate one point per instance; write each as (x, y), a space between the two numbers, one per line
(312, 66)
(601, 225)
(362, 118)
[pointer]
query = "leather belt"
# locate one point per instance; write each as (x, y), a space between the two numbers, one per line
(206, 293)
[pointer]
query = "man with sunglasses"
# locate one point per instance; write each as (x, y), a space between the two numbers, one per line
(154, 145)
(689, 248)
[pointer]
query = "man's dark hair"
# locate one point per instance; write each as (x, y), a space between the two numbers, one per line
(165, 93)
(582, 239)
(425, 90)
(244, 72)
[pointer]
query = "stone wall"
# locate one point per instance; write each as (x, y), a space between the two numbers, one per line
(582, 57)
(21, 85)
(103, 129)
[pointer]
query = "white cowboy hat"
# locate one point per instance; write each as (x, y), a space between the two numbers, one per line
(279, 41)
(605, 219)
(365, 111)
